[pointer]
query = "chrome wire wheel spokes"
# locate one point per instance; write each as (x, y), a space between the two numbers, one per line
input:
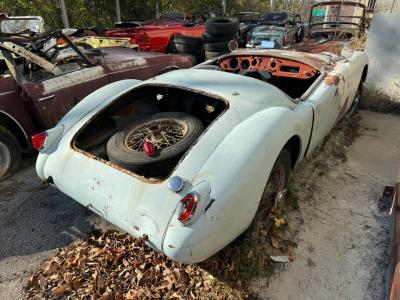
(275, 188)
(162, 133)
(5, 159)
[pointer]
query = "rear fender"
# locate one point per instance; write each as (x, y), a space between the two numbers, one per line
(237, 172)
(239, 168)
(93, 102)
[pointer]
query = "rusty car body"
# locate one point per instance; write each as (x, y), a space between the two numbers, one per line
(38, 85)
(261, 112)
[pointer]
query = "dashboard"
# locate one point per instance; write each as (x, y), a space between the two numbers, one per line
(276, 66)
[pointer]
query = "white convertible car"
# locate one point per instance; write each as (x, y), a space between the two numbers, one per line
(186, 157)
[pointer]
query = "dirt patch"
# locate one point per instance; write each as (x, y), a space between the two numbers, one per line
(341, 228)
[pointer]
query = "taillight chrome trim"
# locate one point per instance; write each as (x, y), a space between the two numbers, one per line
(189, 220)
(40, 135)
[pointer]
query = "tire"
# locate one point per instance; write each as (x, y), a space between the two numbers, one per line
(212, 55)
(188, 40)
(357, 98)
(221, 26)
(171, 47)
(165, 158)
(209, 38)
(10, 155)
(183, 48)
(271, 192)
(217, 47)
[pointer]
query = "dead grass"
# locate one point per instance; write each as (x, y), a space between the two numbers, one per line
(358, 43)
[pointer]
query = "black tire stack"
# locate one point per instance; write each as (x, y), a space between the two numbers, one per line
(219, 32)
(190, 46)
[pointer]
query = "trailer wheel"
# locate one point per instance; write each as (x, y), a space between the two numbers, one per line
(10, 155)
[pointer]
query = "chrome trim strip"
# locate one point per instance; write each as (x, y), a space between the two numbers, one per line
(45, 98)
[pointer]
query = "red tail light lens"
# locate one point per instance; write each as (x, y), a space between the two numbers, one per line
(38, 140)
(187, 207)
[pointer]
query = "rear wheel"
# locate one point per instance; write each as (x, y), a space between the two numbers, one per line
(357, 99)
(277, 182)
(10, 156)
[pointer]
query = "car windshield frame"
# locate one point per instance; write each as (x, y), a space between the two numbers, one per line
(275, 18)
(243, 17)
(22, 24)
(335, 21)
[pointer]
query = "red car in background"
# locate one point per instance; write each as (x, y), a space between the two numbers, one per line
(158, 37)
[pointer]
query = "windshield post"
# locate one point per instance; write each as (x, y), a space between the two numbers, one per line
(86, 58)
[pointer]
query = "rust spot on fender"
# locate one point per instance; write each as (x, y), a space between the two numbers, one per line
(332, 79)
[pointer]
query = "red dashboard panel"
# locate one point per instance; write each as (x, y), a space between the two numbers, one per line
(276, 66)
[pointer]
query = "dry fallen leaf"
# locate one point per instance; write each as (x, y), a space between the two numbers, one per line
(291, 255)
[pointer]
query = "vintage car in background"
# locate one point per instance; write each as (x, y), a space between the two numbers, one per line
(159, 37)
(201, 150)
(267, 36)
(89, 40)
(277, 30)
(41, 82)
(247, 22)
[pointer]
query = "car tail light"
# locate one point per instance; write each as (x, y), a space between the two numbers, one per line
(38, 140)
(284, 40)
(187, 206)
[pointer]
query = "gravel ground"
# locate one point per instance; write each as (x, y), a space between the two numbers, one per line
(341, 243)
(35, 221)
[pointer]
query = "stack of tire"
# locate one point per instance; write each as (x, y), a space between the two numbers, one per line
(190, 46)
(219, 32)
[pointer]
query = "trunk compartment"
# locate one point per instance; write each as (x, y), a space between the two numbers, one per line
(141, 104)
